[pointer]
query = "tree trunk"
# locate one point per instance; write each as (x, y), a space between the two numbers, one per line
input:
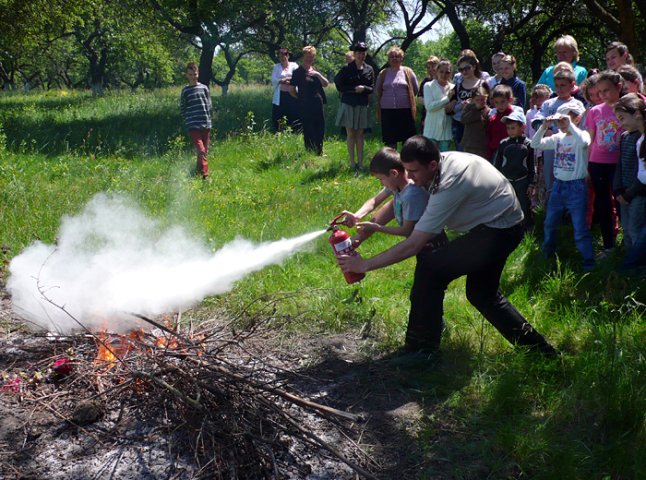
(206, 60)
(628, 32)
(538, 49)
(456, 23)
(7, 79)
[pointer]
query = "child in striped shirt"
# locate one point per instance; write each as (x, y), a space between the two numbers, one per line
(195, 106)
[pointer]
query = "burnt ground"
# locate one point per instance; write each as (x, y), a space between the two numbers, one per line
(87, 438)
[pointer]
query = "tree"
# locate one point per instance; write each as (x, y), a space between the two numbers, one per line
(209, 24)
(619, 16)
(525, 29)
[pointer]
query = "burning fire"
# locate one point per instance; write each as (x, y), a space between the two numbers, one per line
(112, 348)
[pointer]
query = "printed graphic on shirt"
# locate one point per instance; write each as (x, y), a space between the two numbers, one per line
(565, 158)
(607, 137)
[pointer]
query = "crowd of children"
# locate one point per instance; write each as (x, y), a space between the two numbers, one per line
(575, 151)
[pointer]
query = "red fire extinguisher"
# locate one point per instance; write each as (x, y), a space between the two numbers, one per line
(342, 245)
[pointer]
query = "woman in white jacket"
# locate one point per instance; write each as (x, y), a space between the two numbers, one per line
(439, 105)
(283, 104)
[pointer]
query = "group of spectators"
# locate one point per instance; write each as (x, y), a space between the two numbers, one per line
(495, 117)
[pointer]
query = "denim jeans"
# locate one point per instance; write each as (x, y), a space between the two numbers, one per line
(570, 196)
(636, 256)
(480, 255)
(633, 219)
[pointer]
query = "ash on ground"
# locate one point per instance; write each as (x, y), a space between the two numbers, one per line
(89, 425)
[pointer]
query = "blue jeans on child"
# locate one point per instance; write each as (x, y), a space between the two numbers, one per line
(569, 196)
(636, 256)
(633, 219)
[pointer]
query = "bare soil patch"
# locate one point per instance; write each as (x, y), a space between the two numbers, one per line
(70, 428)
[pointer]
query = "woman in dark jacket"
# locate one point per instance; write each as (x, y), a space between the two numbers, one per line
(307, 86)
(355, 81)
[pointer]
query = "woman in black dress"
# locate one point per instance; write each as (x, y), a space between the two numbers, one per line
(307, 86)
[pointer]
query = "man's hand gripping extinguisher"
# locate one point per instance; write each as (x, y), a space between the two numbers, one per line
(342, 245)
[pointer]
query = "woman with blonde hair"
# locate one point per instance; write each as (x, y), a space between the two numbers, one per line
(437, 100)
(567, 50)
(396, 90)
(307, 85)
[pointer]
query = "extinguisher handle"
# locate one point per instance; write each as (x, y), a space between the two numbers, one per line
(335, 219)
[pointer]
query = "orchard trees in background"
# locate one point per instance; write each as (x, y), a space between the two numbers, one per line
(98, 43)
(81, 43)
(31, 31)
(622, 19)
(528, 29)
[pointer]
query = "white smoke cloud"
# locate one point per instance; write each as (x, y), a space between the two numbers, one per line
(112, 259)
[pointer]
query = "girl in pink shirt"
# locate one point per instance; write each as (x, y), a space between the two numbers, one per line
(605, 132)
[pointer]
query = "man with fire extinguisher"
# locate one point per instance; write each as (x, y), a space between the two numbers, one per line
(467, 194)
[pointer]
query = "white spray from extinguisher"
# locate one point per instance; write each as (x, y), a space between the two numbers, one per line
(112, 258)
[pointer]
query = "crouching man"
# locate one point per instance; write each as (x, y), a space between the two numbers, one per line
(467, 194)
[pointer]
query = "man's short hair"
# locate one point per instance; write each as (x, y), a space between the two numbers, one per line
(191, 66)
(385, 160)
(421, 149)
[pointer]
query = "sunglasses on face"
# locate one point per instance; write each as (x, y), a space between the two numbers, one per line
(466, 68)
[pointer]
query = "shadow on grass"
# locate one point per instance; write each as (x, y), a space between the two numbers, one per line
(562, 278)
(44, 102)
(393, 400)
(276, 160)
(128, 135)
(330, 172)
(515, 415)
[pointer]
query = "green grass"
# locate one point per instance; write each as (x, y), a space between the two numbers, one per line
(490, 411)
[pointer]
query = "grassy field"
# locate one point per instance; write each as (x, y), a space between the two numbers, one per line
(512, 415)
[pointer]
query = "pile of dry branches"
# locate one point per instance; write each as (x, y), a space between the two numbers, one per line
(234, 411)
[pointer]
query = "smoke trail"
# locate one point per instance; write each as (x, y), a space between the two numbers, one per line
(112, 259)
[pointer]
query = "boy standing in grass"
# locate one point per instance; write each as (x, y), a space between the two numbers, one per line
(515, 159)
(195, 106)
(569, 191)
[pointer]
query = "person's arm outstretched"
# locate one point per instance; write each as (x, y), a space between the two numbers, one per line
(403, 250)
(351, 219)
